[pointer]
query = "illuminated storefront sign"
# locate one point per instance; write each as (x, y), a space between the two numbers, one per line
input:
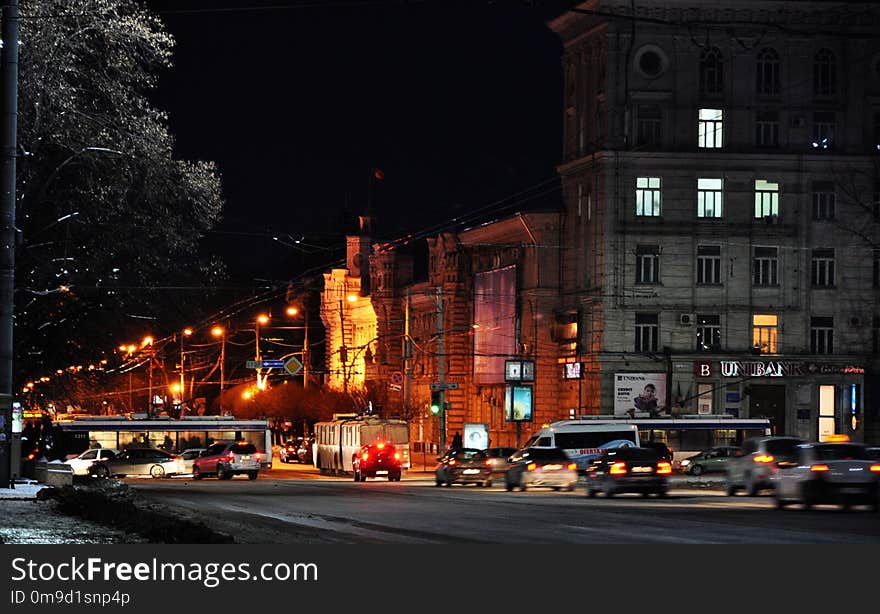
(778, 368)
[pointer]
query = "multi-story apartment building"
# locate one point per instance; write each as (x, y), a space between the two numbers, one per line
(720, 178)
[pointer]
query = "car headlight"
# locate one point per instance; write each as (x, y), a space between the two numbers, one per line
(685, 463)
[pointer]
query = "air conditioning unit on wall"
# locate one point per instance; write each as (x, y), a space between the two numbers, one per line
(686, 319)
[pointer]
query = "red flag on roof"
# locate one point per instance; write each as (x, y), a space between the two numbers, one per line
(378, 174)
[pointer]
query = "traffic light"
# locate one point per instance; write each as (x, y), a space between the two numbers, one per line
(436, 405)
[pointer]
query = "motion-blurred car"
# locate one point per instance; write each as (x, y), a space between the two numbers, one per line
(226, 459)
(761, 458)
(463, 466)
(544, 467)
(661, 448)
(498, 458)
(289, 450)
(833, 473)
(713, 460)
(304, 450)
(873, 452)
(628, 470)
(81, 464)
(137, 461)
(377, 460)
(187, 457)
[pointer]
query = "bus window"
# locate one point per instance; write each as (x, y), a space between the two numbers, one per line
(697, 439)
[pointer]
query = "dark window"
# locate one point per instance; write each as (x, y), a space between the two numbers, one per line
(822, 335)
(767, 72)
(647, 264)
(823, 200)
(767, 129)
(822, 268)
(711, 74)
(649, 129)
(841, 451)
(765, 270)
(824, 129)
(708, 333)
(824, 73)
(708, 264)
(647, 332)
(244, 448)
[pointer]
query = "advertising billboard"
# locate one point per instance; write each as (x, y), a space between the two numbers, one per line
(518, 403)
(640, 394)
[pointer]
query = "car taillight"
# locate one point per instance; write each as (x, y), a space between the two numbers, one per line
(380, 445)
(230, 456)
(452, 461)
(763, 458)
(31, 456)
(875, 468)
(397, 456)
(257, 456)
(663, 467)
(531, 466)
(617, 469)
(572, 466)
(365, 456)
(819, 468)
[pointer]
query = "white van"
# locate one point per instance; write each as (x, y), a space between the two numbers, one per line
(583, 441)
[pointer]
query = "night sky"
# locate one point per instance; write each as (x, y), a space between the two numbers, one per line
(458, 103)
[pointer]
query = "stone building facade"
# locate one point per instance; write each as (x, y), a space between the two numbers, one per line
(720, 184)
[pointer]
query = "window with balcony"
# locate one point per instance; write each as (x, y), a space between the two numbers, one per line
(649, 125)
(711, 71)
(708, 333)
(824, 73)
(822, 268)
(710, 128)
(647, 332)
(764, 333)
(822, 335)
(765, 268)
(767, 72)
(708, 264)
(823, 200)
(824, 128)
(648, 196)
(709, 197)
(647, 264)
(767, 129)
(766, 199)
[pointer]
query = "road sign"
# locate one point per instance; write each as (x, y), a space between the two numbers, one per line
(293, 365)
(397, 378)
(444, 386)
(264, 364)
(253, 364)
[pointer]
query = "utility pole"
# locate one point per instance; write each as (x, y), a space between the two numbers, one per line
(407, 354)
(8, 147)
(441, 369)
(343, 351)
(306, 357)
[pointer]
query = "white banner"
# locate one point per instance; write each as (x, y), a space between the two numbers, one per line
(640, 394)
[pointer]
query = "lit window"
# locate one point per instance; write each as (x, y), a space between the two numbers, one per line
(766, 199)
(708, 264)
(648, 196)
(710, 128)
(822, 335)
(822, 268)
(765, 267)
(709, 197)
(764, 328)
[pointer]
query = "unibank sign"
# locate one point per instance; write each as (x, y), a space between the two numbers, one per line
(760, 368)
(777, 368)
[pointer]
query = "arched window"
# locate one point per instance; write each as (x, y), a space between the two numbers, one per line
(711, 77)
(824, 73)
(767, 72)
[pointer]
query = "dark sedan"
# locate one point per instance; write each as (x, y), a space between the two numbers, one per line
(637, 470)
(463, 466)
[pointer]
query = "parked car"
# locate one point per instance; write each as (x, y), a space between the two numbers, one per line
(187, 457)
(834, 473)
(499, 458)
(137, 461)
(761, 458)
(463, 466)
(289, 450)
(628, 470)
(713, 460)
(82, 463)
(377, 460)
(545, 467)
(226, 459)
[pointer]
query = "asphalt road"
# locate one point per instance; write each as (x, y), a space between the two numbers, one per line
(294, 504)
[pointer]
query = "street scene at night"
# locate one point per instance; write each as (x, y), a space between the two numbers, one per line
(440, 273)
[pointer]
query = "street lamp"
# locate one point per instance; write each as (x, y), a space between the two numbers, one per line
(219, 331)
(148, 341)
(261, 381)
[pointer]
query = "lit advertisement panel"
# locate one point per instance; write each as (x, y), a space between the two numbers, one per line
(494, 320)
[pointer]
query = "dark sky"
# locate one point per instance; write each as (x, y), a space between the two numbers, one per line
(457, 102)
